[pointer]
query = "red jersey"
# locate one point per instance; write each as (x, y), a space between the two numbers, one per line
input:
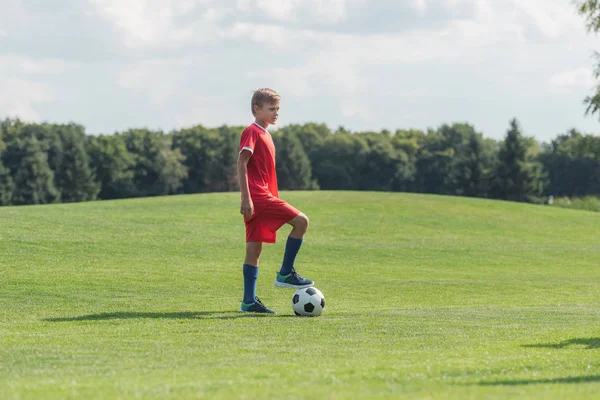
(262, 177)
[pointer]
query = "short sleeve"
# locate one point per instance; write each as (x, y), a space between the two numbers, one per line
(248, 140)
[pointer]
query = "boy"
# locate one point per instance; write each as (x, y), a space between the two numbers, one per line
(264, 213)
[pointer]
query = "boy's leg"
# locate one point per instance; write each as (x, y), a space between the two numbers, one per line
(287, 276)
(253, 252)
(251, 303)
(250, 270)
(299, 227)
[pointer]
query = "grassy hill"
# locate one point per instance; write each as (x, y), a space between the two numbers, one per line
(427, 297)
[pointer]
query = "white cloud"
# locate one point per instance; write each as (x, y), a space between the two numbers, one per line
(156, 81)
(202, 110)
(577, 79)
(173, 56)
(22, 80)
(28, 65)
(139, 20)
(18, 98)
(552, 19)
(323, 11)
(341, 62)
(271, 35)
(420, 6)
(154, 23)
(281, 9)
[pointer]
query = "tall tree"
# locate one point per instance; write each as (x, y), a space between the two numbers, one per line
(310, 135)
(590, 10)
(339, 161)
(6, 181)
(172, 170)
(572, 162)
(210, 157)
(158, 169)
(193, 143)
(221, 173)
(518, 176)
(112, 164)
(383, 166)
(433, 163)
(407, 144)
(473, 161)
(294, 171)
(6, 186)
(34, 180)
(72, 173)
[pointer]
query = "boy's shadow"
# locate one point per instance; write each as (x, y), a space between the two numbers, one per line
(168, 315)
(589, 343)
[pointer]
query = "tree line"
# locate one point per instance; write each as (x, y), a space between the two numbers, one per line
(49, 163)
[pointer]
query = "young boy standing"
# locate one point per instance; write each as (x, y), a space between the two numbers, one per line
(264, 213)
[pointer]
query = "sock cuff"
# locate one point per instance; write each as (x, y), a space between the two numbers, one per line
(250, 270)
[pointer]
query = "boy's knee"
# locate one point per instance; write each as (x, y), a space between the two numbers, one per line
(306, 220)
(302, 221)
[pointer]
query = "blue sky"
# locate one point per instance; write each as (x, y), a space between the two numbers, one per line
(364, 64)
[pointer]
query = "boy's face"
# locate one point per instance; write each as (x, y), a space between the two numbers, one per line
(268, 113)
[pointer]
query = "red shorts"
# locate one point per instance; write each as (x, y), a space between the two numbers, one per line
(263, 226)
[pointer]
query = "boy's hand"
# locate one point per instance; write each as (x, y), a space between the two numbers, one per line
(247, 208)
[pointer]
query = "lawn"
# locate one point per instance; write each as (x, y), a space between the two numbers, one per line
(427, 297)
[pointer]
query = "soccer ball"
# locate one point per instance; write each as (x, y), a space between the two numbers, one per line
(308, 302)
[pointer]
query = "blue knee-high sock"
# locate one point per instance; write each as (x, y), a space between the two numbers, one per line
(250, 276)
(292, 246)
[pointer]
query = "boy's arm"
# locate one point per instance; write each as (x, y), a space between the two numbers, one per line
(247, 208)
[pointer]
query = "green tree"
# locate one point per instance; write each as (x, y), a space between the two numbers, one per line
(473, 162)
(294, 171)
(112, 164)
(590, 10)
(433, 163)
(518, 176)
(384, 165)
(210, 157)
(339, 161)
(310, 135)
(6, 186)
(194, 143)
(6, 181)
(158, 168)
(72, 173)
(66, 156)
(34, 180)
(172, 170)
(221, 172)
(572, 162)
(407, 144)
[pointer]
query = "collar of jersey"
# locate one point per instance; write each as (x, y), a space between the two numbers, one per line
(260, 127)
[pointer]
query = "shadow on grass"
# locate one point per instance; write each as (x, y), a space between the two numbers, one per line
(571, 379)
(589, 343)
(171, 315)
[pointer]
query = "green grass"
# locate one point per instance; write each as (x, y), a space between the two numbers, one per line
(427, 297)
(589, 203)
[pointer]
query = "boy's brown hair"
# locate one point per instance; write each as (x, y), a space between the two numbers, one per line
(262, 96)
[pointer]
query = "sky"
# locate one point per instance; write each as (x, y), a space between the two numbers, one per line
(111, 65)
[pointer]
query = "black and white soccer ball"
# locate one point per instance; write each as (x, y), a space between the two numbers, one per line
(308, 302)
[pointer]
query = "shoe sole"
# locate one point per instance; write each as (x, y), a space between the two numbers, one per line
(289, 285)
(255, 312)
